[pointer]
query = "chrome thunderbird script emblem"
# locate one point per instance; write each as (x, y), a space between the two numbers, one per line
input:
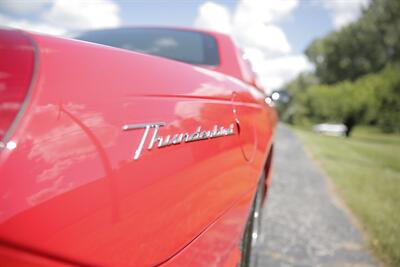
(163, 141)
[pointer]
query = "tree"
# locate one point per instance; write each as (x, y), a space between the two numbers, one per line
(356, 78)
(371, 99)
(364, 46)
(294, 112)
(340, 103)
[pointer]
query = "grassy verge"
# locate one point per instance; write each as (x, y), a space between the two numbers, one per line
(366, 171)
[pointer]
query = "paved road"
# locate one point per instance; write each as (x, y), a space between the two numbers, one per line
(303, 224)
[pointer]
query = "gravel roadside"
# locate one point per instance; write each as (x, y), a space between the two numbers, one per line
(303, 226)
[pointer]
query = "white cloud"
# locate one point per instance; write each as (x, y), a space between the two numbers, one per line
(270, 38)
(275, 72)
(31, 26)
(250, 24)
(214, 16)
(60, 17)
(253, 25)
(344, 11)
(76, 14)
(263, 11)
(22, 7)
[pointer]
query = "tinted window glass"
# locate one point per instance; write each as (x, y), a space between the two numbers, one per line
(181, 45)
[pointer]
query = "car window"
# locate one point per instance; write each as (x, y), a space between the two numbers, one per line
(187, 46)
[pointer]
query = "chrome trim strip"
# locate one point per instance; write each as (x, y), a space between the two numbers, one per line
(28, 96)
(128, 127)
(146, 126)
(175, 139)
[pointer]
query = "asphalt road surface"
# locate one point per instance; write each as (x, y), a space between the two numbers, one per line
(304, 224)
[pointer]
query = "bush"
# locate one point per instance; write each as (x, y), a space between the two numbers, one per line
(389, 97)
(373, 99)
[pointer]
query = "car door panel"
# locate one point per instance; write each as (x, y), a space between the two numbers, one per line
(82, 196)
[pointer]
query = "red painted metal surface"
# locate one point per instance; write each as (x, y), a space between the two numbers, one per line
(71, 189)
(14, 257)
(16, 65)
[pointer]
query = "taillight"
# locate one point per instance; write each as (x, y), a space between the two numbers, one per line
(17, 60)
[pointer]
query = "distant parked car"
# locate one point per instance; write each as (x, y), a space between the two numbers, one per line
(335, 129)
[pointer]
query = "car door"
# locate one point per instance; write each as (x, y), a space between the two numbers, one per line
(75, 186)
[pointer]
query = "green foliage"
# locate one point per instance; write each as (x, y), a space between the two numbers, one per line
(294, 111)
(357, 74)
(372, 99)
(389, 100)
(364, 46)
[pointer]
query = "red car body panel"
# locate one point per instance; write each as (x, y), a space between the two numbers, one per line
(71, 191)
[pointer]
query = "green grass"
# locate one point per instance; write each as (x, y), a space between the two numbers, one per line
(366, 171)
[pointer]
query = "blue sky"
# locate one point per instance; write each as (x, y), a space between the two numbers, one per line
(308, 21)
(273, 33)
(300, 27)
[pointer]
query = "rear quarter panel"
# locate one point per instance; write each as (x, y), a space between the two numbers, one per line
(71, 187)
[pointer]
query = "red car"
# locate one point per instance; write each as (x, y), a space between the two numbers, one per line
(151, 147)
